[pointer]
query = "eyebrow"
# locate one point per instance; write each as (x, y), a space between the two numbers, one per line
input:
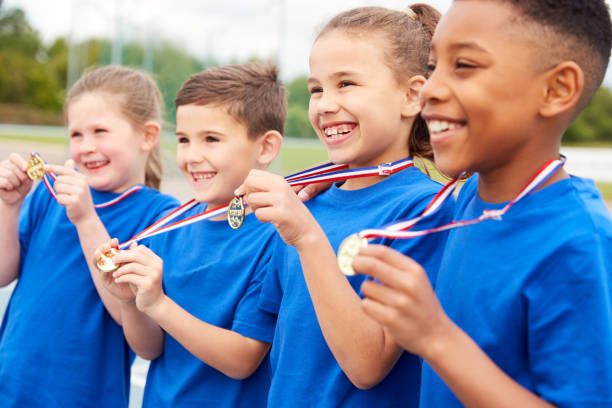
(467, 45)
(338, 74)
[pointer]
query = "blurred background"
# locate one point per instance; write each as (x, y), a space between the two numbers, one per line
(46, 45)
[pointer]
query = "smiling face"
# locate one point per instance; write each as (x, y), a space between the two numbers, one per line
(481, 101)
(103, 143)
(356, 101)
(214, 152)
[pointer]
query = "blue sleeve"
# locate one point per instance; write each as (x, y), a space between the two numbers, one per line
(271, 292)
(249, 319)
(570, 325)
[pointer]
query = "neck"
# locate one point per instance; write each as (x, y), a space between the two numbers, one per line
(504, 183)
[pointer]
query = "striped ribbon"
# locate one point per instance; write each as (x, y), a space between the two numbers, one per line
(401, 229)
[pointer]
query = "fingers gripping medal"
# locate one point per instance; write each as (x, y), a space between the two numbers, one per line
(235, 213)
(36, 167)
(348, 250)
(104, 262)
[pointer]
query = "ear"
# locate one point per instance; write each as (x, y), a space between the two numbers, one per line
(412, 104)
(269, 147)
(564, 87)
(152, 132)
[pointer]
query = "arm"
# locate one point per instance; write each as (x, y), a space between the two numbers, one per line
(14, 186)
(73, 193)
(361, 346)
(231, 353)
(405, 304)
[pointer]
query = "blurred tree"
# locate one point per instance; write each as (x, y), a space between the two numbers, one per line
(25, 77)
(298, 124)
(595, 122)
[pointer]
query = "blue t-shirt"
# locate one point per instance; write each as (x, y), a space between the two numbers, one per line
(534, 291)
(304, 370)
(214, 273)
(59, 347)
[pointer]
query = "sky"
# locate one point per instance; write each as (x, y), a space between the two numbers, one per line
(228, 30)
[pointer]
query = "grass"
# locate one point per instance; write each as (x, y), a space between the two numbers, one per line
(63, 139)
(606, 190)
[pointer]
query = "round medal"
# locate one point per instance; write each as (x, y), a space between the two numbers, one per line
(235, 213)
(36, 167)
(347, 251)
(104, 262)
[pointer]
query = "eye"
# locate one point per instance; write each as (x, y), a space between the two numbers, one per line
(344, 84)
(212, 139)
(75, 134)
(315, 89)
(431, 67)
(182, 139)
(100, 130)
(460, 64)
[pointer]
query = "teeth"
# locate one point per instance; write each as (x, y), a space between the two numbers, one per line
(95, 164)
(335, 130)
(436, 126)
(202, 176)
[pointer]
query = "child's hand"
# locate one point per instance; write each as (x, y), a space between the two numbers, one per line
(142, 269)
(274, 201)
(121, 291)
(72, 192)
(14, 181)
(402, 300)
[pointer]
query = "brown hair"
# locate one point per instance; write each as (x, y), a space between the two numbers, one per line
(252, 93)
(139, 100)
(408, 35)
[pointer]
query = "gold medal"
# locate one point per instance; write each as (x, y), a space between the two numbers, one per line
(104, 262)
(347, 251)
(36, 167)
(235, 213)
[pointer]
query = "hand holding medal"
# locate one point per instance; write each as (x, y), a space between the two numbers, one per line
(14, 180)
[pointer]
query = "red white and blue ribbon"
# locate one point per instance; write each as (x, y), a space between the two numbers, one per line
(400, 230)
(325, 172)
(49, 178)
(334, 172)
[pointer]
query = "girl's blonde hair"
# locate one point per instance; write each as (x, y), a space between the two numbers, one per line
(408, 34)
(139, 100)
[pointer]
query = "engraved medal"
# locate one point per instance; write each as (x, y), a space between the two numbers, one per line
(104, 262)
(36, 167)
(347, 251)
(235, 213)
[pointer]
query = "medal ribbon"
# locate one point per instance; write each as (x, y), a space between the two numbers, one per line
(331, 172)
(319, 174)
(400, 230)
(49, 178)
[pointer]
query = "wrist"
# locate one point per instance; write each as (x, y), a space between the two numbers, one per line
(436, 348)
(157, 308)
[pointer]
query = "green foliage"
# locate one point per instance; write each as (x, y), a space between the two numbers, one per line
(595, 123)
(24, 60)
(298, 124)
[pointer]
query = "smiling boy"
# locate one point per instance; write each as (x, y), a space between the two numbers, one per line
(522, 316)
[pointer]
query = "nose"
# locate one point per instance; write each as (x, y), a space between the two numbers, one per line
(87, 145)
(325, 103)
(193, 153)
(435, 89)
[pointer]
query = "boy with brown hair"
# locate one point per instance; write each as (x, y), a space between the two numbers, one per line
(522, 316)
(200, 323)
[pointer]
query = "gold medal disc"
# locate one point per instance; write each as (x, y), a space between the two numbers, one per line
(104, 262)
(36, 168)
(347, 252)
(235, 213)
